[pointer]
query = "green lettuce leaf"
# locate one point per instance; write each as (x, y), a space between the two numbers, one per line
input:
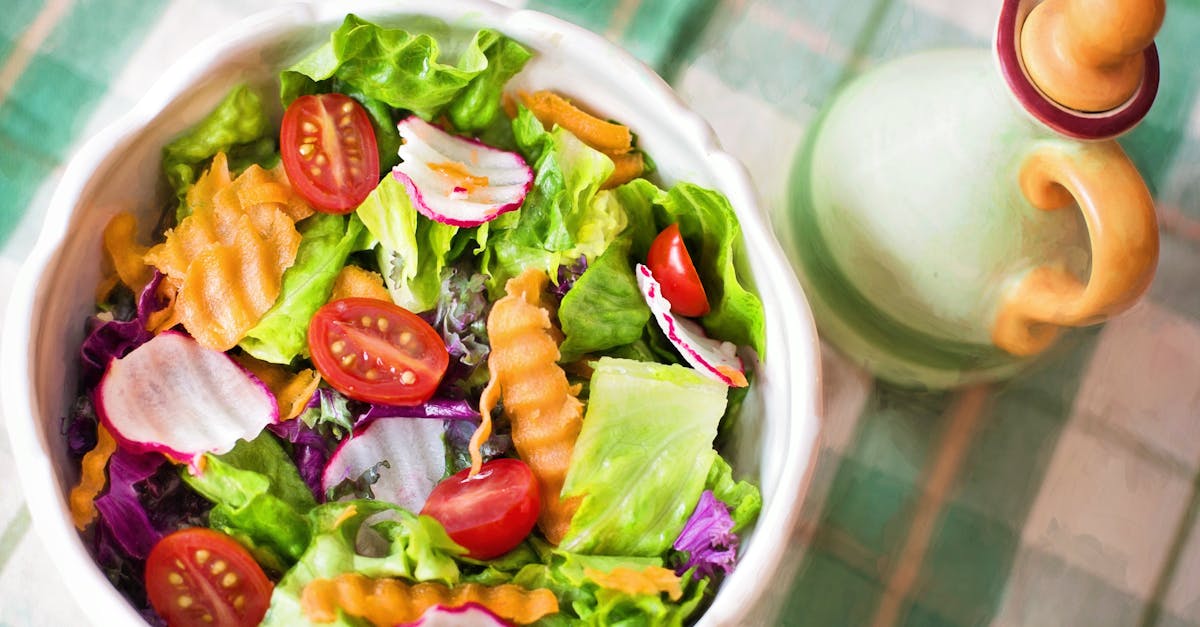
(605, 308)
(563, 217)
(327, 242)
(404, 545)
(238, 126)
(259, 499)
(583, 602)
(742, 497)
(402, 70)
(642, 458)
(714, 239)
(413, 249)
(477, 106)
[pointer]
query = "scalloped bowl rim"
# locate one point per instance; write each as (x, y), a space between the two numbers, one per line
(791, 331)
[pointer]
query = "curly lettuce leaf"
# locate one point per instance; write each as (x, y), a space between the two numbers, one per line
(605, 308)
(714, 239)
(478, 105)
(563, 217)
(259, 498)
(327, 242)
(583, 602)
(412, 248)
(239, 126)
(403, 70)
(642, 458)
(405, 545)
(742, 497)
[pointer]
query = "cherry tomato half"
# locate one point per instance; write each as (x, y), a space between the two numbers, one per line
(329, 152)
(671, 265)
(375, 351)
(488, 514)
(200, 577)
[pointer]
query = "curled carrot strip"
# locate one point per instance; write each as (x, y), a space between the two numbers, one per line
(125, 254)
(392, 601)
(228, 257)
(650, 580)
(92, 480)
(541, 405)
(355, 282)
(291, 391)
(551, 109)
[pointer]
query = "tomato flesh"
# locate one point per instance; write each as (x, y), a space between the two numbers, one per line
(672, 266)
(200, 577)
(372, 350)
(488, 514)
(329, 151)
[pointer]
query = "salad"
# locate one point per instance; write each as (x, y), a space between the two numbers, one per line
(427, 351)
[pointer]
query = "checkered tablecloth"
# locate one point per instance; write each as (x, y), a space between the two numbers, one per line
(1068, 496)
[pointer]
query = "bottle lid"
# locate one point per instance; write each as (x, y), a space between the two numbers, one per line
(1085, 68)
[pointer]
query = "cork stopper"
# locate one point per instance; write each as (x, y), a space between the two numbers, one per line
(1088, 55)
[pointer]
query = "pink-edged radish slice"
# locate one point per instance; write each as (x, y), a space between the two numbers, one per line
(456, 180)
(466, 615)
(174, 396)
(414, 449)
(716, 359)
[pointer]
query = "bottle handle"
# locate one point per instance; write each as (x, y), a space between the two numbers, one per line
(1123, 231)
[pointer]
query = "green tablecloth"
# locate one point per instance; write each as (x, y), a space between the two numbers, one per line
(1065, 497)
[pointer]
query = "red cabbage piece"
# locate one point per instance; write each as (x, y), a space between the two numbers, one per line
(79, 427)
(113, 339)
(447, 409)
(568, 275)
(708, 539)
(121, 512)
(310, 451)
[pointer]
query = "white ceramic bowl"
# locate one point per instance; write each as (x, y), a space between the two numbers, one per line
(119, 169)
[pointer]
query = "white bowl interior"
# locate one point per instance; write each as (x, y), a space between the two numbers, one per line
(119, 170)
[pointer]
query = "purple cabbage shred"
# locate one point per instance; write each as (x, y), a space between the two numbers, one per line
(113, 338)
(568, 275)
(708, 539)
(310, 452)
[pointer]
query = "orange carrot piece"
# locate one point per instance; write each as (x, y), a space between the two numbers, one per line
(626, 168)
(650, 580)
(392, 601)
(168, 316)
(92, 479)
(228, 257)
(355, 282)
(551, 109)
(120, 242)
(291, 391)
(541, 405)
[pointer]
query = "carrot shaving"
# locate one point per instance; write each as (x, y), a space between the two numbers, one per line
(541, 405)
(355, 282)
(228, 257)
(650, 580)
(92, 480)
(388, 601)
(125, 254)
(292, 391)
(551, 109)
(456, 173)
(626, 168)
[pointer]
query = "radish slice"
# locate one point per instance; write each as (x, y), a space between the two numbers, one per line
(467, 615)
(179, 398)
(458, 181)
(714, 358)
(413, 448)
